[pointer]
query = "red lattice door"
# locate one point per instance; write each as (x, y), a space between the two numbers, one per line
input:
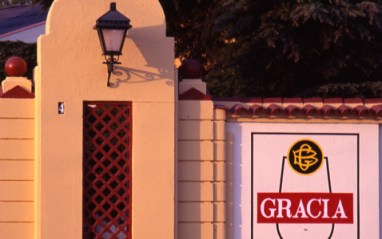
(107, 170)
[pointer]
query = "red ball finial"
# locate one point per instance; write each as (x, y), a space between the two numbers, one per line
(15, 66)
(191, 69)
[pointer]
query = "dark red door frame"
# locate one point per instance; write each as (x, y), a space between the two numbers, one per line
(107, 164)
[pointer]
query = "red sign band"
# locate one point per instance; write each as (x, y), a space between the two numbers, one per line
(304, 208)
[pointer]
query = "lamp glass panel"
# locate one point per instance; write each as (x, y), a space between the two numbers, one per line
(113, 39)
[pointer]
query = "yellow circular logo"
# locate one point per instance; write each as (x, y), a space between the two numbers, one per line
(305, 156)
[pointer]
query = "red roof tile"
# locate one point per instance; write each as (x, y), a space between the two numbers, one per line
(293, 100)
(321, 107)
(355, 107)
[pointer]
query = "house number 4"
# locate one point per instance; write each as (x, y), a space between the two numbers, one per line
(61, 108)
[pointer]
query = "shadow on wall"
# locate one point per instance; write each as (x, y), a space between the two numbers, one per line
(149, 40)
(124, 75)
(150, 43)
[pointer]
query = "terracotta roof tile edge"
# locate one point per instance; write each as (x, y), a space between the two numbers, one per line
(307, 110)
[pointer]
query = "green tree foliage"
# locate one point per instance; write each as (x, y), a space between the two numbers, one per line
(282, 48)
(192, 30)
(27, 51)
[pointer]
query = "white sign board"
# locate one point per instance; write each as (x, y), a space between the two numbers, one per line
(305, 180)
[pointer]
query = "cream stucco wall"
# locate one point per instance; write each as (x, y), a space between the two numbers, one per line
(17, 198)
(201, 165)
(201, 171)
(70, 70)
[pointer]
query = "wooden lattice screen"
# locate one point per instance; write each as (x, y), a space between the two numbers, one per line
(107, 170)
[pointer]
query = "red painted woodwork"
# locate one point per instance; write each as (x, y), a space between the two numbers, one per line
(15, 66)
(107, 170)
(191, 69)
(194, 94)
(17, 92)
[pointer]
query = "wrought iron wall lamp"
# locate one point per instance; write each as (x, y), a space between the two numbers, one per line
(112, 28)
